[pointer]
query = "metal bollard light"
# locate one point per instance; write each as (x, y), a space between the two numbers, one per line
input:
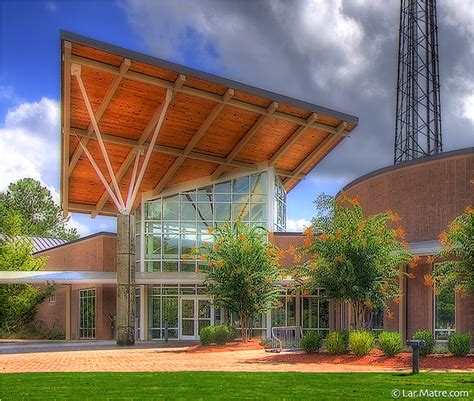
(415, 346)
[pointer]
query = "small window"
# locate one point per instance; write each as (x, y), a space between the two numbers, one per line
(444, 313)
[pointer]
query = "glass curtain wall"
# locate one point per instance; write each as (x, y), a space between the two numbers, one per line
(279, 206)
(176, 224)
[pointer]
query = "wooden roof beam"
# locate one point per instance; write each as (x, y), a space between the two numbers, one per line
(99, 113)
(245, 139)
(136, 76)
(66, 121)
(292, 139)
(170, 151)
(193, 142)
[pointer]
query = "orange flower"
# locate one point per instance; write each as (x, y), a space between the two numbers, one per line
(411, 275)
(323, 237)
(339, 258)
(268, 252)
(270, 236)
(217, 246)
(396, 300)
(219, 264)
(202, 257)
(210, 230)
(390, 314)
(291, 250)
(281, 254)
(242, 237)
(247, 248)
(427, 280)
(443, 238)
(280, 304)
(306, 292)
(429, 260)
(185, 256)
(384, 288)
(369, 304)
(198, 270)
(355, 200)
(338, 234)
(393, 216)
(469, 209)
(406, 245)
(400, 232)
(414, 262)
(313, 265)
(307, 242)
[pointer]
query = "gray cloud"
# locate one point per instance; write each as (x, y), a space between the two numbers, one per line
(339, 54)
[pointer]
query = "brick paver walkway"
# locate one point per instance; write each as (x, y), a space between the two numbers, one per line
(82, 358)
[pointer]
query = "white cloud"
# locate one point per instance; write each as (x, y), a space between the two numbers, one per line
(81, 228)
(297, 225)
(29, 140)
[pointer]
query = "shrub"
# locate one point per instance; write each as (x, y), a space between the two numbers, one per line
(429, 341)
(312, 342)
(459, 344)
(390, 343)
(337, 342)
(55, 335)
(207, 334)
(232, 333)
(361, 342)
(221, 335)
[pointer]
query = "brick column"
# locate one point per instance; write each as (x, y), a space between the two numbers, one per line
(125, 280)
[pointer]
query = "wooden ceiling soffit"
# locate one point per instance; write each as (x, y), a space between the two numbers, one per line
(245, 139)
(146, 79)
(193, 142)
(327, 143)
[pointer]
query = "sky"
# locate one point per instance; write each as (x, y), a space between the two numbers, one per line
(339, 54)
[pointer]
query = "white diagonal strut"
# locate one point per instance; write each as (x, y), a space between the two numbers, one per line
(101, 176)
(151, 145)
(76, 71)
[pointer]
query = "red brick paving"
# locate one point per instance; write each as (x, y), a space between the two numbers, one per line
(157, 358)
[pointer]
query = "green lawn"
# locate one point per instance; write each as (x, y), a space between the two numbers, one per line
(224, 385)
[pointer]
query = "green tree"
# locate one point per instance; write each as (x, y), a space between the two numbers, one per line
(37, 214)
(241, 270)
(355, 258)
(457, 252)
(18, 303)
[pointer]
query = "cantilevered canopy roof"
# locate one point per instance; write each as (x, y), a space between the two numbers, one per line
(134, 123)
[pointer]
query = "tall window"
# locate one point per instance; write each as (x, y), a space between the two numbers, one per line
(315, 312)
(444, 313)
(279, 206)
(175, 224)
(87, 313)
(285, 313)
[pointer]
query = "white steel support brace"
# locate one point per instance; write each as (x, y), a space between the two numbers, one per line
(76, 71)
(151, 145)
(140, 143)
(101, 176)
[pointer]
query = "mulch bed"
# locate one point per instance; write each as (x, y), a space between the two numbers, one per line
(233, 346)
(375, 358)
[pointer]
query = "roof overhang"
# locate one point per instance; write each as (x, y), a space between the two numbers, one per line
(97, 277)
(134, 124)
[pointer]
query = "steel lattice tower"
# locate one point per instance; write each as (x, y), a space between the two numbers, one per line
(418, 113)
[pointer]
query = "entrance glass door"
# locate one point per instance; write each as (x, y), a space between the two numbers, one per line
(188, 319)
(195, 313)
